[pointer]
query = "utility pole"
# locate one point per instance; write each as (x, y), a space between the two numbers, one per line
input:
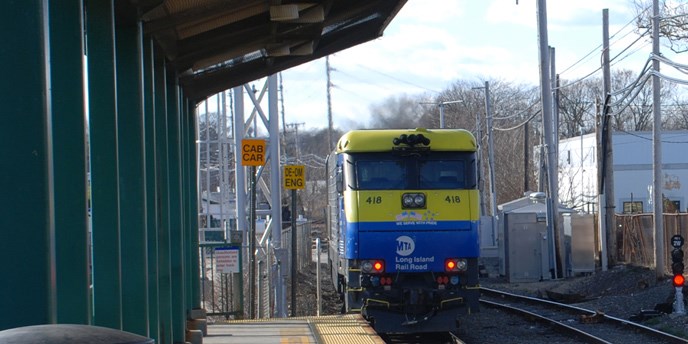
(479, 156)
(490, 153)
(526, 157)
(656, 147)
(609, 218)
(601, 209)
(546, 99)
(297, 150)
(329, 106)
(283, 138)
(554, 170)
(441, 105)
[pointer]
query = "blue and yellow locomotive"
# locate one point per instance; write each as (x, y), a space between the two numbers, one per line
(403, 211)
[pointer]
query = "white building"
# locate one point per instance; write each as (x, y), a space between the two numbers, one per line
(632, 168)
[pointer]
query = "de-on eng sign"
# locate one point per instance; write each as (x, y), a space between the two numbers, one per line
(294, 177)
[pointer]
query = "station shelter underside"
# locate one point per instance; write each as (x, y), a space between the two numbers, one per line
(98, 183)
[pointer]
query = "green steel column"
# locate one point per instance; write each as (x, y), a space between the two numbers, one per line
(192, 208)
(183, 139)
(176, 238)
(132, 188)
(107, 279)
(163, 202)
(69, 162)
(151, 210)
(27, 289)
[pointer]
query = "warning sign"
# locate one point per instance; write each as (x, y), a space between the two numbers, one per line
(294, 177)
(227, 259)
(252, 152)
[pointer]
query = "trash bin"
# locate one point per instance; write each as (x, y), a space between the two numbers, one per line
(70, 333)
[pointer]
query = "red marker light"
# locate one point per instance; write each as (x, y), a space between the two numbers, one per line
(451, 265)
(378, 266)
(679, 280)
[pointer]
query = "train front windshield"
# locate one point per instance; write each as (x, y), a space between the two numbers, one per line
(431, 170)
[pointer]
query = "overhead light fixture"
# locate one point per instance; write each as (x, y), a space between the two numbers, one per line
(284, 12)
(303, 49)
(278, 50)
(314, 14)
(309, 13)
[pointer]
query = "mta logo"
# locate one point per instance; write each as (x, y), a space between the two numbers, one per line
(405, 245)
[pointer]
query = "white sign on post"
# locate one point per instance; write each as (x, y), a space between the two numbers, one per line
(227, 260)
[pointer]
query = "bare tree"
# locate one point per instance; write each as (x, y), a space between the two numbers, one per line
(673, 21)
(515, 109)
(632, 110)
(512, 106)
(313, 154)
(676, 113)
(577, 107)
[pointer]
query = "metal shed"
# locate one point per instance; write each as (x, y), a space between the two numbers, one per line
(527, 249)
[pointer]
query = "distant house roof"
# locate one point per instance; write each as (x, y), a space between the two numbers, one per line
(528, 205)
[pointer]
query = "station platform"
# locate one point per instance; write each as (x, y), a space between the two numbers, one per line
(331, 329)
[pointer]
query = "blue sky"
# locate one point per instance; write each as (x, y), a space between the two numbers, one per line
(432, 43)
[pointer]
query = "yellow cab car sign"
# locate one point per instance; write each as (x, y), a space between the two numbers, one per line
(252, 152)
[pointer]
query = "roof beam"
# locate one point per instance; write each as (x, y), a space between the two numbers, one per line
(199, 86)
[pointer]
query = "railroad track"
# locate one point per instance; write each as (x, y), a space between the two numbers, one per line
(587, 325)
(421, 338)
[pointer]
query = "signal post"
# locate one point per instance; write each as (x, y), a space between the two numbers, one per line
(252, 154)
(294, 178)
(677, 268)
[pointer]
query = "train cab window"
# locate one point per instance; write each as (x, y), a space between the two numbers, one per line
(339, 180)
(380, 175)
(442, 174)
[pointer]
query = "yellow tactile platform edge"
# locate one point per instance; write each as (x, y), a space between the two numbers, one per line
(348, 328)
(330, 329)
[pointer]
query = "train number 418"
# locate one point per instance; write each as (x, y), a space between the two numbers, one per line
(374, 200)
(453, 199)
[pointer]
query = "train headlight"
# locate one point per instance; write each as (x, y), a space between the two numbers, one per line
(367, 266)
(407, 201)
(413, 200)
(419, 200)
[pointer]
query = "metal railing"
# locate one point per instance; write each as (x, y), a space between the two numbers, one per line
(225, 295)
(221, 292)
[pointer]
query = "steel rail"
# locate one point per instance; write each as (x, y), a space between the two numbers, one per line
(666, 337)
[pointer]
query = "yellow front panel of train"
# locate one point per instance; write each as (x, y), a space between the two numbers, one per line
(386, 206)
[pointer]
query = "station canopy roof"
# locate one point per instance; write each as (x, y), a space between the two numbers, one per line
(215, 45)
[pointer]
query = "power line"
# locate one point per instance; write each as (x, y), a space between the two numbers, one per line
(594, 50)
(649, 138)
(611, 60)
(518, 114)
(519, 125)
(397, 79)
